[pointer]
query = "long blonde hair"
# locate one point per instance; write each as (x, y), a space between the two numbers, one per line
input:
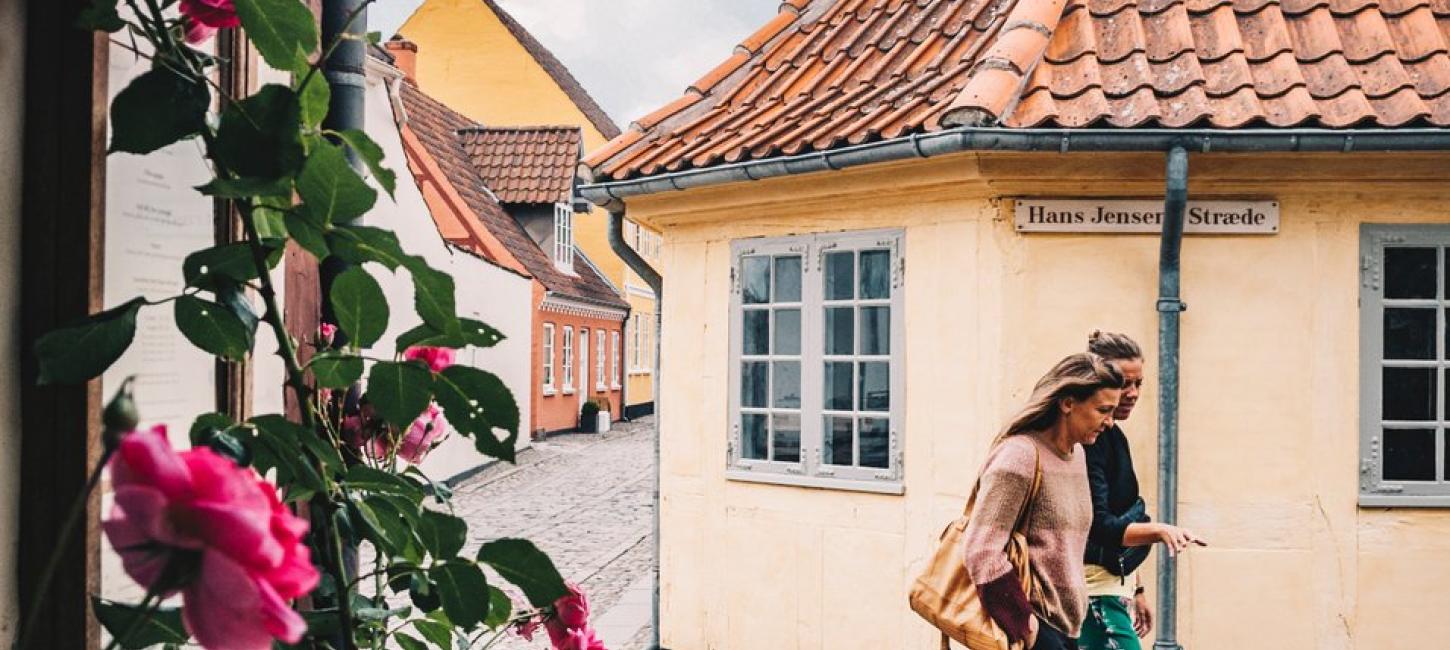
(1078, 376)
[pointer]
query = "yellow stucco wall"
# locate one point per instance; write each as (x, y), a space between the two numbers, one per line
(470, 61)
(1270, 394)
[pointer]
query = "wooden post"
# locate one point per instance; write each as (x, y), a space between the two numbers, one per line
(62, 237)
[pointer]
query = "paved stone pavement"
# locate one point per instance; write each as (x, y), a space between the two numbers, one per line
(585, 499)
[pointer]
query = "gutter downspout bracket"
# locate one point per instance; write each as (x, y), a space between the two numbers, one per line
(1172, 305)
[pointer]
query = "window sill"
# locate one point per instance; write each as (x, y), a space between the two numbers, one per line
(640, 373)
(1403, 501)
(549, 392)
(825, 483)
(614, 387)
(568, 391)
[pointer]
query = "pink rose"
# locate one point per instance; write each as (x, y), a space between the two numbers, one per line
(326, 332)
(212, 13)
(425, 432)
(238, 551)
(569, 627)
(582, 638)
(436, 358)
(195, 31)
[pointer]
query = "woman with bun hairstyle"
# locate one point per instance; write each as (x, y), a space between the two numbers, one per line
(1070, 406)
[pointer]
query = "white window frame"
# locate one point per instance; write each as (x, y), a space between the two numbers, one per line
(614, 354)
(564, 237)
(568, 360)
(548, 360)
(811, 471)
(601, 382)
(1374, 490)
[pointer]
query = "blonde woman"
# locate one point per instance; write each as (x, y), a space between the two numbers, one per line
(1069, 407)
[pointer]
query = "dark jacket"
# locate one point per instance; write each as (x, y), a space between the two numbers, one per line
(1116, 502)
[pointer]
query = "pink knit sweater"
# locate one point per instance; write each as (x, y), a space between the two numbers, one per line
(1057, 530)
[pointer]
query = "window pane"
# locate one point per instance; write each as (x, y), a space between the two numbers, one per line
(840, 331)
(787, 439)
(875, 442)
(787, 331)
(1409, 333)
(836, 445)
(838, 386)
(755, 280)
(1410, 273)
(840, 275)
(875, 275)
(1409, 394)
(1409, 455)
(757, 331)
(875, 393)
(752, 436)
(787, 385)
(875, 330)
(787, 279)
(753, 384)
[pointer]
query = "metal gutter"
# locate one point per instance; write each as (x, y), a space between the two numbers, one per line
(1170, 306)
(961, 139)
(656, 283)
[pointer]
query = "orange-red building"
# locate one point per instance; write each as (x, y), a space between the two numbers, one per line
(507, 193)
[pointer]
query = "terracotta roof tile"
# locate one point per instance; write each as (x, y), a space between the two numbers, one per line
(530, 164)
(828, 73)
(441, 132)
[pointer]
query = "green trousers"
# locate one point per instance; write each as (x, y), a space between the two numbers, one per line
(1109, 625)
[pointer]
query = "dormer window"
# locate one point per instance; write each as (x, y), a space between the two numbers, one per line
(564, 236)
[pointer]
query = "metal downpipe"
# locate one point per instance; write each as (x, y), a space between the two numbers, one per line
(1169, 306)
(656, 283)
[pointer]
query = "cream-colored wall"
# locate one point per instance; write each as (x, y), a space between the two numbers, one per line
(12, 104)
(1270, 383)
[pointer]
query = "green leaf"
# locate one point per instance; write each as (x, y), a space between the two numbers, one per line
(282, 30)
(424, 595)
(460, 585)
(271, 224)
(242, 188)
(217, 431)
(258, 139)
(212, 327)
(208, 425)
(335, 369)
(315, 98)
(308, 230)
(375, 37)
(235, 300)
(480, 334)
(399, 391)
(360, 306)
(500, 607)
(433, 296)
(161, 626)
(523, 564)
(278, 445)
(427, 336)
(409, 643)
(78, 352)
(443, 534)
(324, 452)
(225, 265)
(385, 524)
(330, 187)
(101, 16)
(476, 402)
(157, 109)
(358, 244)
(367, 479)
(371, 155)
(438, 634)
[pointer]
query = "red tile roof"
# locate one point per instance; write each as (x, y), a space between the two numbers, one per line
(526, 164)
(827, 73)
(558, 72)
(439, 128)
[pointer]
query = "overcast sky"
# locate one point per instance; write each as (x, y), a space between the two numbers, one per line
(633, 56)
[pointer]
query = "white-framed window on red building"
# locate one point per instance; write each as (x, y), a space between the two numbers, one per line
(568, 359)
(614, 359)
(600, 382)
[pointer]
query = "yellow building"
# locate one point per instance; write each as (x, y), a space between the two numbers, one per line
(477, 59)
(883, 221)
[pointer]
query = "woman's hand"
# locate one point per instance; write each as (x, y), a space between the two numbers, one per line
(1176, 539)
(1142, 616)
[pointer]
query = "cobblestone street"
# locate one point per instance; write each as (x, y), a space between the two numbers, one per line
(585, 500)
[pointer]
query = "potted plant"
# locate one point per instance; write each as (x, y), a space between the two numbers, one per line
(604, 414)
(589, 417)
